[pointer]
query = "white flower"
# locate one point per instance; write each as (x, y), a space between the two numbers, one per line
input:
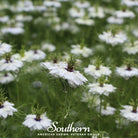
(96, 88)
(40, 8)
(27, 57)
(115, 20)
(126, 73)
(49, 3)
(51, 65)
(49, 47)
(96, 12)
(124, 14)
(6, 78)
(82, 4)
(135, 32)
(130, 3)
(84, 51)
(36, 55)
(96, 73)
(25, 6)
(22, 18)
(12, 30)
(93, 100)
(115, 39)
(128, 113)
(34, 124)
(10, 65)
(131, 48)
(74, 78)
(4, 19)
(7, 109)
(107, 111)
(4, 48)
(75, 12)
(84, 21)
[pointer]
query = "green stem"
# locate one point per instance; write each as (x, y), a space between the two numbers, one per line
(17, 92)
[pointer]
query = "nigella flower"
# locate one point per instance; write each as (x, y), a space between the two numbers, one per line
(4, 19)
(126, 71)
(130, 3)
(81, 50)
(7, 109)
(84, 21)
(108, 110)
(25, 6)
(113, 39)
(82, 4)
(76, 12)
(115, 20)
(37, 123)
(12, 30)
(22, 18)
(124, 14)
(101, 88)
(129, 113)
(74, 78)
(49, 47)
(96, 12)
(26, 57)
(10, 64)
(4, 48)
(53, 65)
(36, 54)
(131, 48)
(135, 32)
(53, 3)
(97, 71)
(37, 120)
(6, 78)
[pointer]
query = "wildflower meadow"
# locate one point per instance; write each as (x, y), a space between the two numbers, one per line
(69, 68)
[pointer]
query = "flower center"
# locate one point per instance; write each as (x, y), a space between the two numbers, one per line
(35, 51)
(1, 106)
(97, 67)
(124, 10)
(69, 68)
(38, 118)
(129, 68)
(55, 61)
(101, 85)
(134, 111)
(6, 75)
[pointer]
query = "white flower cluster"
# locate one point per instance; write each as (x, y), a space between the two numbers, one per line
(113, 39)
